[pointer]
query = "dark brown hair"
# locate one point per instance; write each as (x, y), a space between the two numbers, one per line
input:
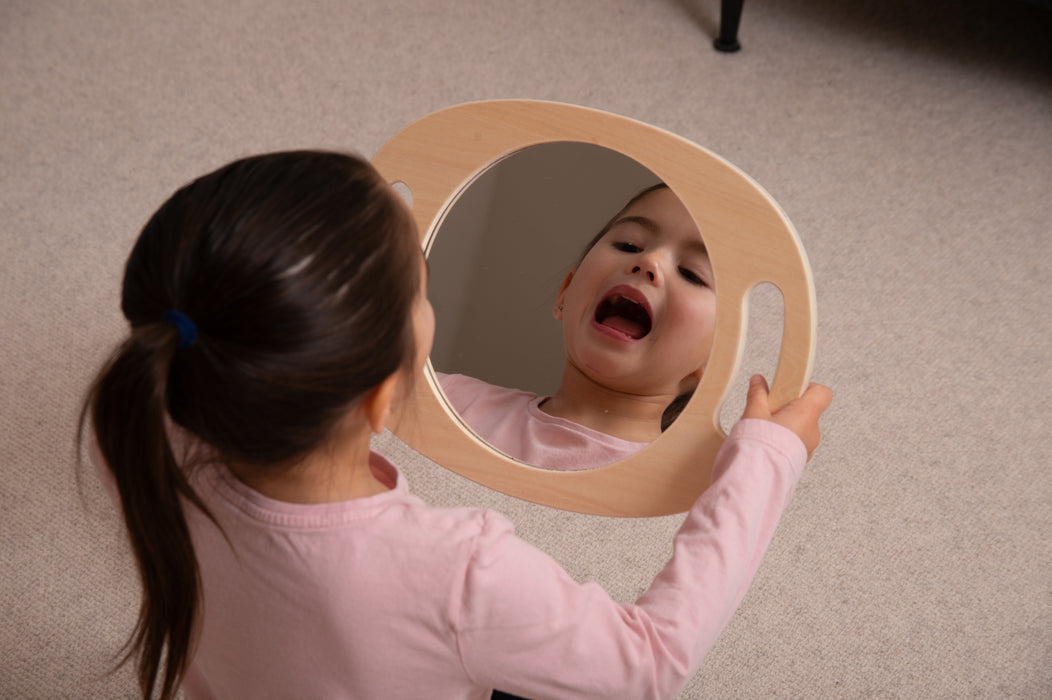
(299, 270)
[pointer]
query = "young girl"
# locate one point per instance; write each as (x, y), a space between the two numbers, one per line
(277, 312)
(638, 314)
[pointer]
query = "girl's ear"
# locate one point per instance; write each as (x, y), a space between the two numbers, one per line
(557, 310)
(377, 404)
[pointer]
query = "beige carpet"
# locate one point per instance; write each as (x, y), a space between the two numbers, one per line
(910, 143)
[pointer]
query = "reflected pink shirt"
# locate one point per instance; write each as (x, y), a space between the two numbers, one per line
(385, 597)
(511, 420)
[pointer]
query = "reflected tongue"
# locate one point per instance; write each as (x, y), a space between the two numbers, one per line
(624, 325)
(624, 315)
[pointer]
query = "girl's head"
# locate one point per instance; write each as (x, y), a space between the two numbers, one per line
(638, 311)
(299, 271)
(301, 274)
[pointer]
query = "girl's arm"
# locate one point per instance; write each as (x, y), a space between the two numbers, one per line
(526, 627)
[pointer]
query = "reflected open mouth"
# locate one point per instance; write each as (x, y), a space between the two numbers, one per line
(625, 315)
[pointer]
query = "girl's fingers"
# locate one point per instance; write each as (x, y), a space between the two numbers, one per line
(756, 405)
(817, 398)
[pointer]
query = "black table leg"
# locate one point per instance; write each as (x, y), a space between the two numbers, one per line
(730, 18)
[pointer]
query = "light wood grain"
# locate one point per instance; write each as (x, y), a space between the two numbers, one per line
(750, 241)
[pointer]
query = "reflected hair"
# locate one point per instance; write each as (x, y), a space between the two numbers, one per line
(299, 271)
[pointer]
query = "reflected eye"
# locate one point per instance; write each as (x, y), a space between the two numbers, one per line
(627, 247)
(692, 277)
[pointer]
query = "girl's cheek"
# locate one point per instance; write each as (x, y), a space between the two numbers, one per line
(699, 312)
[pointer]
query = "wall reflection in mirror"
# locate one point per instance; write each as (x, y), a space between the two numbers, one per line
(574, 305)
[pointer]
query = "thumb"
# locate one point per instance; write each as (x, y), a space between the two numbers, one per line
(756, 401)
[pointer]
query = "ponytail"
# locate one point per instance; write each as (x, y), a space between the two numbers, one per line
(127, 404)
(293, 277)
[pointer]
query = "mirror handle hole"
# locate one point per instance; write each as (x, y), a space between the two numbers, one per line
(765, 308)
(404, 192)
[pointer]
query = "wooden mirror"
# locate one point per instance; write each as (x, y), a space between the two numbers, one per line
(749, 239)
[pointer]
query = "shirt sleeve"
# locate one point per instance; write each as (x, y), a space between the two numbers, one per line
(526, 627)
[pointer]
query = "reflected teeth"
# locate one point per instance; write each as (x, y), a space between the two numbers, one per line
(625, 315)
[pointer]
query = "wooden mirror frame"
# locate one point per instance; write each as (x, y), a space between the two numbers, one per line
(750, 242)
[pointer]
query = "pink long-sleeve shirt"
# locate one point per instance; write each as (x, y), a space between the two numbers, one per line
(512, 421)
(386, 597)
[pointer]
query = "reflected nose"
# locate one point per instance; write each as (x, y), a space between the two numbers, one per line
(646, 265)
(649, 273)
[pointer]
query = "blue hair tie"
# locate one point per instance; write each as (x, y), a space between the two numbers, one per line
(186, 327)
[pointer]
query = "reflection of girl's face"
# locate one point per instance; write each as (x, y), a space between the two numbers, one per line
(639, 311)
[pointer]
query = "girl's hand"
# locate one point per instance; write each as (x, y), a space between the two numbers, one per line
(800, 415)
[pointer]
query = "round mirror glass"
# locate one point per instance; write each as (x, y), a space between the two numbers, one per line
(574, 305)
